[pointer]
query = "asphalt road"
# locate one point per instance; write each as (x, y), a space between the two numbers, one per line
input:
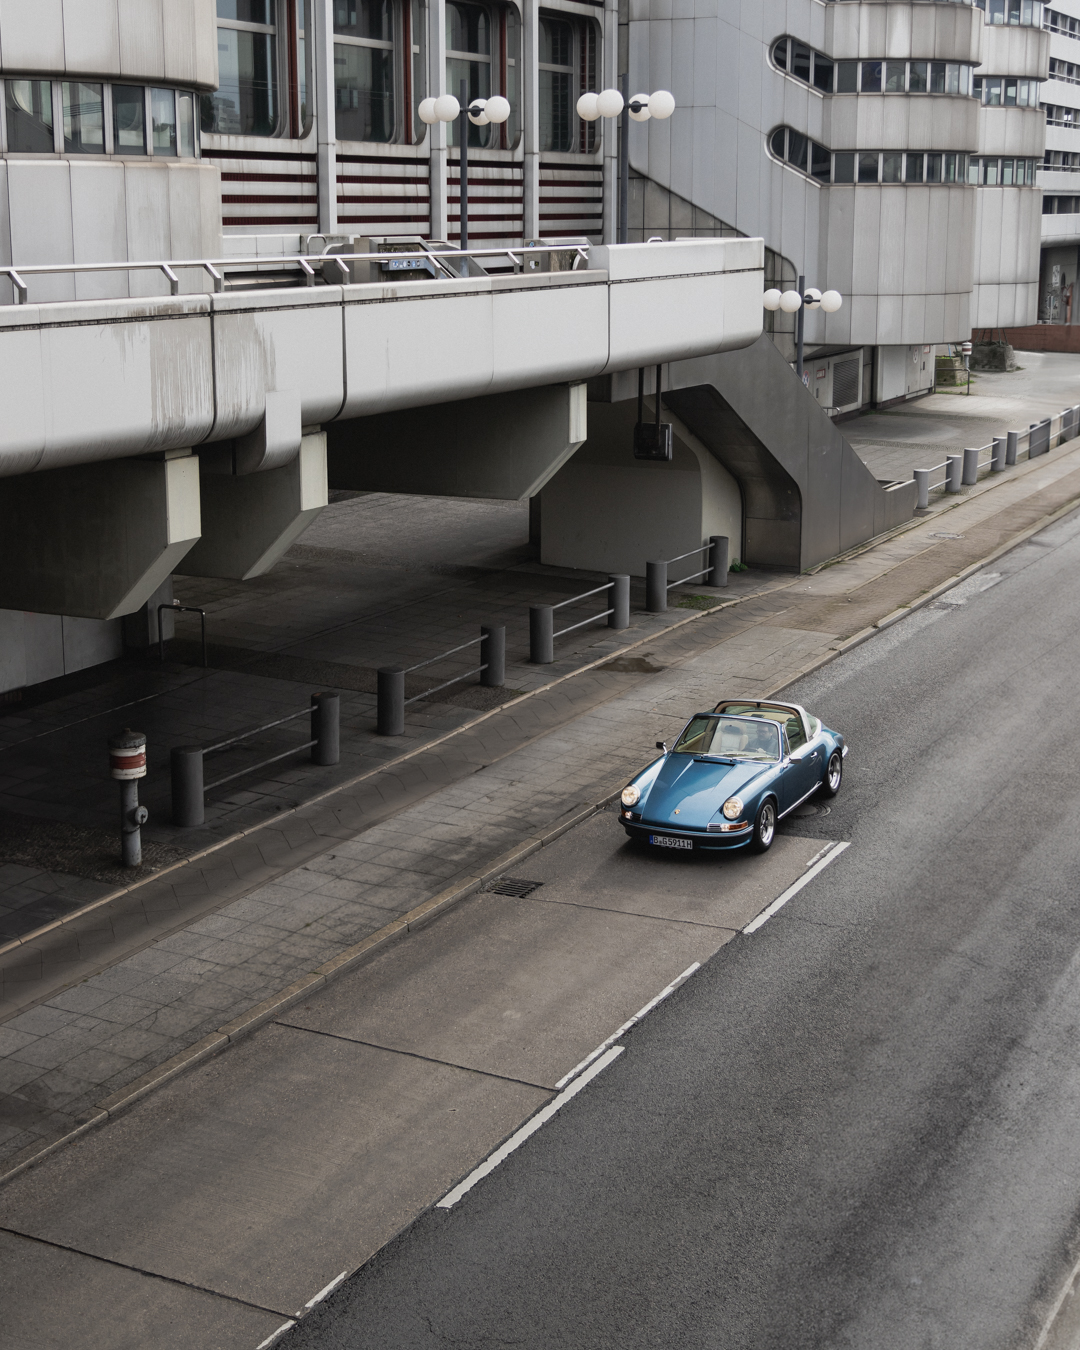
(856, 1127)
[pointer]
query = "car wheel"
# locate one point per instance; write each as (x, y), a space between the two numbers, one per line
(834, 772)
(764, 827)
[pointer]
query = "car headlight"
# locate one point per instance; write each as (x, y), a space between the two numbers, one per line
(630, 796)
(733, 808)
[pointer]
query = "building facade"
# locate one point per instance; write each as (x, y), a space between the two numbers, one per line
(1059, 175)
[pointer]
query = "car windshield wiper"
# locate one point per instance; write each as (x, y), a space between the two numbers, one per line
(713, 759)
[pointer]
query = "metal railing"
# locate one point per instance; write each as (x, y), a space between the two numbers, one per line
(390, 688)
(189, 787)
(656, 573)
(963, 468)
(542, 632)
(215, 267)
(177, 608)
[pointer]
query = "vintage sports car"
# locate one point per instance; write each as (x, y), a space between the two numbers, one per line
(731, 775)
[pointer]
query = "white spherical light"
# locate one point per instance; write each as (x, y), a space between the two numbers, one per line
(478, 112)
(587, 109)
(813, 297)
(661, 104)
(447, 108)
(790, 301)
(831, 301)
(641, 102)
(427, 111)
(609, 103)
(771, 299)
(498, 109)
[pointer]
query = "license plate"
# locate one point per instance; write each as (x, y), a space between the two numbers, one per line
(666, 841)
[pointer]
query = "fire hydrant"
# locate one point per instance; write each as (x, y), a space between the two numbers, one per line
(127, 764)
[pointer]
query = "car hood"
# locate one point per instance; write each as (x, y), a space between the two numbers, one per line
(696, 789)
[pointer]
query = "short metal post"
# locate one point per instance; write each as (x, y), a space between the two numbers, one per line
(656, 587)
(719, 560)
(1012, 447)
(391, 701)
(620, 602)
(127, 764)
(541, 635)
(954, 472)
(922, 481)
(971, 466)
(997, 462)
(326, 728)
(493, 655)
(188, 795)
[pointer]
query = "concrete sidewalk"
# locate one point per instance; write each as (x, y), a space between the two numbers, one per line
(103, 1008)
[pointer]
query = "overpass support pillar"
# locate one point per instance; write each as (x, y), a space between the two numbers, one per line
(250, 519)
(95, 541)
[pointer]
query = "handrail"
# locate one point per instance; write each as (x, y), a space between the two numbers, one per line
(16, 273)
(390, 680)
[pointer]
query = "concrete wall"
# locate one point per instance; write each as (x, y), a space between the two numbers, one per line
(38, 647)
(607, 512)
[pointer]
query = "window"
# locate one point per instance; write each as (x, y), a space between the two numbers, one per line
(84, 118)
(917, 77)
(989, 171)
(870, 77)
(899, 77)
(557, 84)
(806, 64)
(30, 117)
(129, 119)
(1026, 12)
(468, 58)
(886, 166)
(996, 91)
(892, 164)
(868, 167)
(364, 70)
(914, 169)
(246, 102)
(895, 77)
(163, 121)
(185, 104)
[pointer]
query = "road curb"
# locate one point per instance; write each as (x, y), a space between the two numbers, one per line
(422, 914)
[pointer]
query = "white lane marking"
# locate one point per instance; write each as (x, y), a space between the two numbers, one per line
(323, 1292)
(263, 1345)
(1059, 1303)
(966, 590)
(633, 1021)
(820, 853)
(530, 1127)
(781, 900)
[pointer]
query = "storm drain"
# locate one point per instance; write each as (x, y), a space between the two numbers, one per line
(512, 886)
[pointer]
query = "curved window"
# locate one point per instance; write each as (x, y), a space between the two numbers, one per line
(1026, 13)
(881, 166)
(993, 171)
(364, 70)
(903, 77)
(1003, 91)
(806, 64)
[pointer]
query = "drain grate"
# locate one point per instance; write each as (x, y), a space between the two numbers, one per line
(512, 886)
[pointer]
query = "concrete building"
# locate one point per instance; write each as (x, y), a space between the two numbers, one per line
(167, 417)
(1059, 175)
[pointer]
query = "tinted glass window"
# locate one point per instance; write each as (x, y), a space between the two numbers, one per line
(30, 117)
(871, 77)
(247, 11)
(890, 167)
(800, 61)
(917, 77)
(823, 73)
(163, 115)
(844, 167)
(914, 168)
(129, 119)
(84, 119)
(245, 103)
(363, 19)
(868, 167)
(363, 92)
(895, 73)
(797, 149)
(819, 162)
(847, 77)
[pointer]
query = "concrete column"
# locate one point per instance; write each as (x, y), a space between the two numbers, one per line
(436, 48)
(141, 628)
(96, 540)
(530, 115)
(609, 79)
(322, 12)
(505, 445)
(250, 520)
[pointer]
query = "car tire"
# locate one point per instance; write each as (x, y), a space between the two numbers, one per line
(834, 773)
(764, 827)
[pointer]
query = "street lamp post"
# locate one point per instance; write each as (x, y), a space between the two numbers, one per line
(639, 108)
(798, 302)
(481, 111)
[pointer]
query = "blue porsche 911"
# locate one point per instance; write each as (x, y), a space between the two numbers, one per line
(732, 774)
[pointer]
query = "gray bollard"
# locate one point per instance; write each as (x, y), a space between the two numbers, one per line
(390, 719)
(127, 764)
(954, 468)
(971, 467)
(620, 602)
(719, 560)
(188, 796)
(656, 587)
(326, 728)
(922, 483)
(1012, 447)
(997, 462)
(541, 635)
(493, 656)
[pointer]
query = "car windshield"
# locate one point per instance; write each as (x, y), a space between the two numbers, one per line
(734, 737)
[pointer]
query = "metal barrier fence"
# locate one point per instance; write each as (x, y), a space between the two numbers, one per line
(215, 267)
(175, 607)
(656, 573)
(390, 695)
(962, 469)
(542, 633)
(188, 761)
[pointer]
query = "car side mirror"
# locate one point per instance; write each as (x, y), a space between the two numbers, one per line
(662, 745)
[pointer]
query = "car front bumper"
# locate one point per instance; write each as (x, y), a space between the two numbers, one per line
(640, 831)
